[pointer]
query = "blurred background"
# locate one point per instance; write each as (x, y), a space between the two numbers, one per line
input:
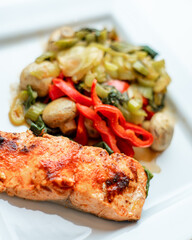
(171, 20)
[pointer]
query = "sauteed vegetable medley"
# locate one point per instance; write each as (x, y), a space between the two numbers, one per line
(89, 84)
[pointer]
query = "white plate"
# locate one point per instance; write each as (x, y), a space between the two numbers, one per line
(170, 195)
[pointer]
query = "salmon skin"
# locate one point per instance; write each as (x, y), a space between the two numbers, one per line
(86, 178)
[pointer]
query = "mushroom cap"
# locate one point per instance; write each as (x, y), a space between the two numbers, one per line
(59, 111)
(162, 129)
(92, 132)
(67, 128)
(39, 76)
(60, 33)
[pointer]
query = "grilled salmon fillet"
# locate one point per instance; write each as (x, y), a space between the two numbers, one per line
(86, 178)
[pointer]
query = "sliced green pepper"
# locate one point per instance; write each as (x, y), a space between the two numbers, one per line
(38, 128)
(32, 95)
(134, 105)
(46, 56)
(150, 51)
(66, 43)
(104, 146)
(34, 111)
(139, 67)
(102, 36)
(123, 47)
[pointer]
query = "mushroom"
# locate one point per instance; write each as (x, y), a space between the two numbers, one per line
(60, 33)
(67, 128)
(161, 127)
(39, 76)
(61, 113)
(146, 125)
(92, 132)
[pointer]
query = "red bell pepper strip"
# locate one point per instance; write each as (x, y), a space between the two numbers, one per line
(117, 119)
(61, 75)
(112, 109)
(96, 100)
(145, 101)
(100, 125)
(71, 92)
(69, 81)
(121, 86)
(125, 147)
(55, 92)
(123, 129)
(139, 131)
(149, 113)
(81, 135)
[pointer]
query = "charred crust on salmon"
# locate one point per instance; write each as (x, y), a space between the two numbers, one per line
(53, 168)
(10, 144)
(116, 185)
(24, 149)
(1, 140)
(32, 146)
